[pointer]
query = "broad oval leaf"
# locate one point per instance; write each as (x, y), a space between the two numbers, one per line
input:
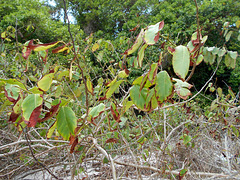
(31, 108)
(12, 92)
(45, 83)
(113, 88)
(96, 111)
(182, 88)
(181, 61)
(163, 86)
(139, 96)
(66, 122)
(233, 54)
(151, 34)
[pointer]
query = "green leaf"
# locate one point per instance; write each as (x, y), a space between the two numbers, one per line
(208, 56)
(31, 105)
(183, 172)
(199, 59)
(12, 91)
(151, 34)
(229, 61)
(95, 47)
(141, 54)
(45, 83)
(128, 105)
(181, 61)
(152, 72)
(139, 97)
(237, 23)
(235, 131)
(51, 130)
(89, 86)
(233, 54)
(96, 111)
(66, 122)
(35, 90)
(164, 86)
(113, 88)
(122, 74)
(14, 82)
(182, 88)
(228, 36)
(187, 139)
(136, 44)
(17, 108)
(221, 52)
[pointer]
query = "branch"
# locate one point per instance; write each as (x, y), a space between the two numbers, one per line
(198, 36)
(25, 141)
(176, 172)
(107, 156)
(29, 144)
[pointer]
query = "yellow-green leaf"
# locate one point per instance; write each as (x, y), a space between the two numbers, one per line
(66, 122)
(181, 61)
(45, 83)
(163, 86)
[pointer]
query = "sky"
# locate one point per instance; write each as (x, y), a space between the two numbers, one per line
(52, 3)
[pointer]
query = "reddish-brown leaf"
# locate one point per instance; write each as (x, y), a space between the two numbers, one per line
(13, 117)
(74, 143)
(10, 98)
(111, 140)
(134, 29)
(34, 118)
(51, 113)
(102, 98)
(60, 48)
(172, 50)
(115, 114)
(35, 46)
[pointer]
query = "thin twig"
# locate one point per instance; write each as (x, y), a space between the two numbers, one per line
(30, 148)
(107, 156)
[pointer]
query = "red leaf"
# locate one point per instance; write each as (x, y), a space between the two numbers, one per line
(102, 98)
(134, 29)
(156, 37)
(34, 46)
(172, 50)
(13, 117)
(34, 118)
(115, 114)
(161, 24)
(126, 70)
(162, 45)
(74, 143)
(60, 48)
(26, 50)
(111, 140)
(51, 113)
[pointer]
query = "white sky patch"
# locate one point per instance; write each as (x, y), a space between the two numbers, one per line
(70, 16)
